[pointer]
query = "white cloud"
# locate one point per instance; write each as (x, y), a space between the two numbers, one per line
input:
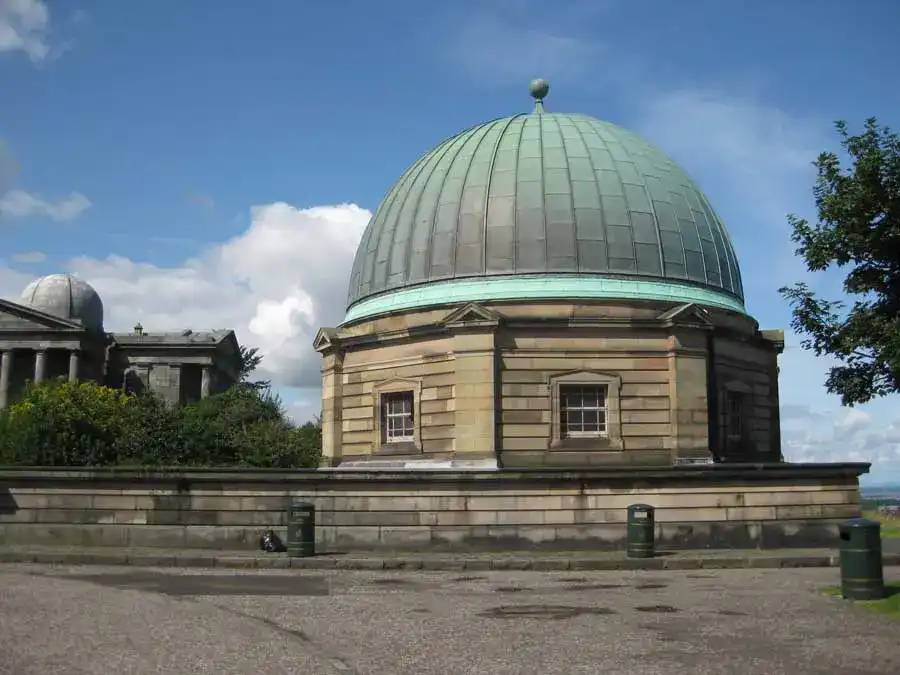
(276, 285)
(22, 204)
(29, 257)
(24, 26)
(815, 428)
(763, 153)
(497, 51)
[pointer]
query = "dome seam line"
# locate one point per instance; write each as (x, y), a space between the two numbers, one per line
(418, 170)
(543, 190)
(515, 196)
(596, 183)
(434, 212)
(571, 194)
(487, 194)
(618, 174)
(462, 192)
(656, 230)
(382, 209)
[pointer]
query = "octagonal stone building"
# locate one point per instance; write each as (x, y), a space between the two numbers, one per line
(547, 290)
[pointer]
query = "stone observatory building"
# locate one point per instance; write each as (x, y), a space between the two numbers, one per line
(547, 290)
(56, 330)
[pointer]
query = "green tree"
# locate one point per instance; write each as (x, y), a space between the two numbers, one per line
(244, 426)
(151, 434)
(64, 424)
(250, 361)
(858, 229)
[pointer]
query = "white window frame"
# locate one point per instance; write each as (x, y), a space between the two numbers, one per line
(596, 391)
(388, 399)
(611, 438)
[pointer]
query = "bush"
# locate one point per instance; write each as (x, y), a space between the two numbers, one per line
(63, 424)
(84, 424)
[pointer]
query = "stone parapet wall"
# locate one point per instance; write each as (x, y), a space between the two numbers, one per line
(714, 506)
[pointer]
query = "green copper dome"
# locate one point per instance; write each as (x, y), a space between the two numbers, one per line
(542, 206)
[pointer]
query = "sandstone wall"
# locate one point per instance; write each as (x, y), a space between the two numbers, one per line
(528, 362)
(752, 369)
(426, 366)
(720, 506)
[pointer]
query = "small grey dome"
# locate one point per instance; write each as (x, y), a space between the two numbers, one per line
(67, 297)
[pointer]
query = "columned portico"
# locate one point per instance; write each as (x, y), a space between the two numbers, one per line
(5, 368)
(40, 365)
(204, 381)
(55, 334)
(73, 365)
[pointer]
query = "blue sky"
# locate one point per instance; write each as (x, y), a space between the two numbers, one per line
(212, 164)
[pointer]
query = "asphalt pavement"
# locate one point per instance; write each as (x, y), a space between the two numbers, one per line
(57, 620)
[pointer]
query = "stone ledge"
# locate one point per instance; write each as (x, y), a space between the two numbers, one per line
(183, 479)
(691, 560)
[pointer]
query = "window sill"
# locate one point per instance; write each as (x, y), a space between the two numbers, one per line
(402, 448)
(586, 444)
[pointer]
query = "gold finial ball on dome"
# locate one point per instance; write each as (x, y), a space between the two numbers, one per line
(539, 89)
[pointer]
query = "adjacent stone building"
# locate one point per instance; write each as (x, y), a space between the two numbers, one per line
(547, 289)
(56, 330)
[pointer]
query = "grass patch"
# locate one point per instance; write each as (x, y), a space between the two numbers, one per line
(890, 525)
(889, 605)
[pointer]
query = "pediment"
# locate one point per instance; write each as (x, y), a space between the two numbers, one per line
(471, 313)
(324, 339)
(688, 313)
(20, 318)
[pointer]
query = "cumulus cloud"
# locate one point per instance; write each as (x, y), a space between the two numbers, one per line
(276, 285)
(765, 151)
(29, 257)
(845, 435)
(22, 204)
(25, 26)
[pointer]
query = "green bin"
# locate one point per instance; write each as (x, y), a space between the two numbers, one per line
(862, 568)
(641, 531)
(301, 530)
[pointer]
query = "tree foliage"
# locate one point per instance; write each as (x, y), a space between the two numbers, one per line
(250, 359)
(858, 229)
(85, 424)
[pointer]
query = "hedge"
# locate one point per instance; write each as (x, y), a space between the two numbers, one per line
(84, 424)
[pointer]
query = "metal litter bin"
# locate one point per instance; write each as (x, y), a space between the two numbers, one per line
(301, 531)
(641, 536)
(862, 568)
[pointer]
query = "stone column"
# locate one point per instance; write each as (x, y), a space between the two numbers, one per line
(40, 365)
(332, 407)
(475, 390)
(204, 381)
(73, 365)
(688, 395)
(5, 368)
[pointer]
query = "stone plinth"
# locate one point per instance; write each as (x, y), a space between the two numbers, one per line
(718, 506)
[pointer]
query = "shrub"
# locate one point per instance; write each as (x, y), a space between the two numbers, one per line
(63, 424)
(84, 424)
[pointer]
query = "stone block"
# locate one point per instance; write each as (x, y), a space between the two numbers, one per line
(376, 518)
(751, 513)
(356, 537)
(536, 534)
(560, 517)
(405, 537)
(595, 536)
(449, 536)
(520, 517)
